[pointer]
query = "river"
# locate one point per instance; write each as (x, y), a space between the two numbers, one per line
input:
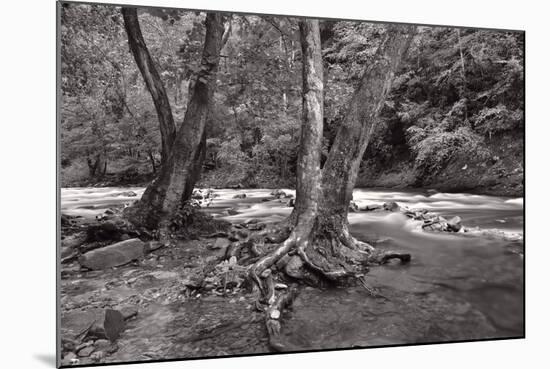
(457, 287)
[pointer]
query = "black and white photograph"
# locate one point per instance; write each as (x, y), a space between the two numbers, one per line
(235, 184)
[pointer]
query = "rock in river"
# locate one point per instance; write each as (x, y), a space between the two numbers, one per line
(454, 224)
(116, 254)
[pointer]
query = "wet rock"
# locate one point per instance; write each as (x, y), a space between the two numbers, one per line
(220, 243)
(97, 356)
(70, 358)
(68, 255)
(152, 246)
(68, 344)
(127, 194)
(86, 351)
(114, 255)
(391, 206)
(240, 196)
(73, 241)
(102, 344)
(454, 224)
(294, 267)
(197, 195)
(231, 211)
(277, 192)
(353, 207)
(128, 312)
(373, 207)
(113, 324)
(241, 233)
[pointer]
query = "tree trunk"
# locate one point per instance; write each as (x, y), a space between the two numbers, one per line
(153, 164)
(152, 80)
(317, 230)
(352, 138)
(93, 165)
(178, 174)
(308, 172)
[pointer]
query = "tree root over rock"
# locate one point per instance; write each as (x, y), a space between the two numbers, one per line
(308, 254)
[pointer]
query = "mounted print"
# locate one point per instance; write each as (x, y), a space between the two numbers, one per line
(243, 184)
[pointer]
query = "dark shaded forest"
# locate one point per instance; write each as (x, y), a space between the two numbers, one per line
(453, 119)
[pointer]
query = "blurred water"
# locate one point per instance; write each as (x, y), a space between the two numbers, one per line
(457, 287)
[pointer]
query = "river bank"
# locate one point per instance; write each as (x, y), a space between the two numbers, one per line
(173, 303)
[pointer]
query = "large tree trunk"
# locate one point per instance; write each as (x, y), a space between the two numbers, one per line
(179, 173)
(152, 80)
(342, 165)
(313, 244)
(317, 230)
(308, 174)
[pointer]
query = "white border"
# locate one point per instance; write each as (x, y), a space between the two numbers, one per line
(28, 181)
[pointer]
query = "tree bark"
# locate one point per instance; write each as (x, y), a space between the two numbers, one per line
(317, 230)
(152, 80)
(179, 173)
(352, 138)
(308, 173)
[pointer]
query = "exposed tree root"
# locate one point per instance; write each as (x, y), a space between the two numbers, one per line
(307, 254)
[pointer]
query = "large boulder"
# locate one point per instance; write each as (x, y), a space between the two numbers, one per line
(116, 254)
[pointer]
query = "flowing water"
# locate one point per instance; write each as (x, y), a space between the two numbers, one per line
(457, 286)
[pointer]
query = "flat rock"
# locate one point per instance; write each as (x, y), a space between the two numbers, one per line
(152, 246)
(116, 254)
(86, 351)
(220, 243)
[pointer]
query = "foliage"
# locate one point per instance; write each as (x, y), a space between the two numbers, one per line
(456, 91)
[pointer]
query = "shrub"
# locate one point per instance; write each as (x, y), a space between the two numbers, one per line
(435, 148)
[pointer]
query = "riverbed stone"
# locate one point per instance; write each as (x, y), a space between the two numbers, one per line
(86, 351)
(294, 267)
(221, 243)
(391, 206)
(231, 211)
(116, 254)
(455, 224)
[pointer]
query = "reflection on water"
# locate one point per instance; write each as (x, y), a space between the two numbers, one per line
(455, 288)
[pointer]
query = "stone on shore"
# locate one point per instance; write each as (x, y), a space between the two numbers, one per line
(116, 254)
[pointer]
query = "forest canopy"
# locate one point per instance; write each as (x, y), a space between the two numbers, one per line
(454, 118)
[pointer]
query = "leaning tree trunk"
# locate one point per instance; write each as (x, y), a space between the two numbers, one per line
(152, 80)
(334, 244)
(343, 161)
(181, 169)
(314, 244)
(316, 234)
